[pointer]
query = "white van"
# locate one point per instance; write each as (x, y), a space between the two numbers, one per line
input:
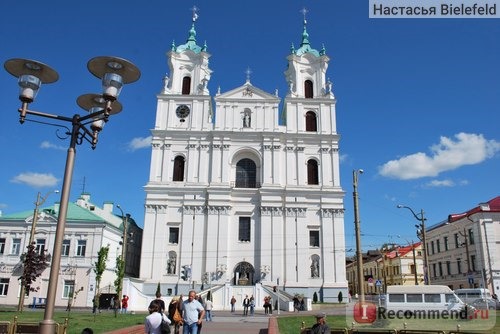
(471, 295)
(422, 298)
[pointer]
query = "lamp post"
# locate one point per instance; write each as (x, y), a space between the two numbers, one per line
(124, 243)
(421, 233)
(114, 72)
(359, 254)
(39, 202)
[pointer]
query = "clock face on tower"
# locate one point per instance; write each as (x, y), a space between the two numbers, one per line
(182, 112)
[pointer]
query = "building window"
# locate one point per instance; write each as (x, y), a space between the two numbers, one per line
(186, 85)
(173, 235)
(312, 172)
(412, 269)
(68, 289)
(244, 229)
(448, 268)
(473, 262)
(445, 239)
(314, 238)
(65, 247)
(308, 89)
(433, 251)
(471, 237)
(40, 246)
(246, 174)
(440, 266)
(16, 246)
(2, 245)
(438, 245)
(459, 266)
(179, 168)
(80, 249)
(434, 269)
(4, 286)
(311, 121)
(457, 242)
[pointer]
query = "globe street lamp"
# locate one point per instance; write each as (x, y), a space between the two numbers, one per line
(421, 233)
(114, 72)
(357, 228)
(39, 202)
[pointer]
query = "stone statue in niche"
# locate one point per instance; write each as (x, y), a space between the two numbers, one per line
(315, 268)
(246, 120)
(171, 265)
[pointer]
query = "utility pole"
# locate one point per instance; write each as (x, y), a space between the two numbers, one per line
(414, 262)
(467, 254)
(39, 201)
(357, 228)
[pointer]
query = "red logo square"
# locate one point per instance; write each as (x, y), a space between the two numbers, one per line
(365, 312)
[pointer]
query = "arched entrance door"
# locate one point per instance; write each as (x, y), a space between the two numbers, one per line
(243, 274)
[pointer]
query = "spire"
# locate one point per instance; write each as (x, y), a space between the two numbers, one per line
(191, 40)
(248, 72)
(305, 46)
(305, 35)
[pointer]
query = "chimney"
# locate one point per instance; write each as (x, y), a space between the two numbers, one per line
(108, 207)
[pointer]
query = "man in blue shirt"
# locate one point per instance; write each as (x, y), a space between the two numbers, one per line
(192, 314)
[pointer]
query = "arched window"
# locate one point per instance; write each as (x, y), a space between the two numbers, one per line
(186, 85)
(311, 121)
(308, 89)
(246, 174)
(178, 169)
(312, 172)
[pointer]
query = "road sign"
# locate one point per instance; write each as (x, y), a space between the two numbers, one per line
(378, 283)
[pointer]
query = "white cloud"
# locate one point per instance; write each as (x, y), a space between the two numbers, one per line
(440, 183)
(467, 149)
(47, 144)
(36, 180)
(139, 142)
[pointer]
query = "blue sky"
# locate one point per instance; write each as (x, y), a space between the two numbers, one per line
(417, 105)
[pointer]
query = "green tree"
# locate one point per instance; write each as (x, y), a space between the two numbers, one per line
(34, 264)
(120, 273)
(100, 267)
(158, 289)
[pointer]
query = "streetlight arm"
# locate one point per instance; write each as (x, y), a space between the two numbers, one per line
(421, 218)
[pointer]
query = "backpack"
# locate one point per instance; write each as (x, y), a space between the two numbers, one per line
(164, 326)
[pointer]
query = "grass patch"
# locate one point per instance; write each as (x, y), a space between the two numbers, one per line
(78, 319)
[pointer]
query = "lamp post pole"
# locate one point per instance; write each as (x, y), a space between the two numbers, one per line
(39, 202)
(359, 254)
(114, 72)
(420, 217)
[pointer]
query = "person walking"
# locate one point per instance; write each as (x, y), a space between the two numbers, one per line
(320, 327)
(192, 314)
(154, 319)
(124, 304)
(208, 310)
(174, 314)
(252, 305)
(233, 303)
(246, 304)
(160, 301)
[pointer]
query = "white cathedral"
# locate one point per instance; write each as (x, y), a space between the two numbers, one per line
(244, 195)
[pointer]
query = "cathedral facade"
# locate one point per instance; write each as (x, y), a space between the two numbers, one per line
(244, 188)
